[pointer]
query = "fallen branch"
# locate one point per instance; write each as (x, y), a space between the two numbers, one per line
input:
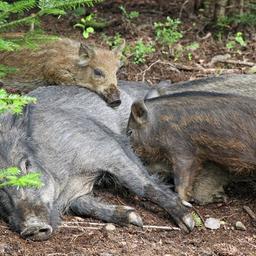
(101, 225)
(240, 62)
(85, 223)
(225, 59)
(161, 227)
(81, 227)
(218, 58)
(250, 212)
(147, 69)
(206, 70)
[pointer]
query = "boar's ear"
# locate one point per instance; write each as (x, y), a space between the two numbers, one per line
(86, 52)
(118, 50)
(140, 112)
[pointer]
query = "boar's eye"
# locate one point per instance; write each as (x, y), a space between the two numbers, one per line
(98, 73)
(129, 132)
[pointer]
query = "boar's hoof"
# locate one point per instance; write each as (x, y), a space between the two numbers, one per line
(135, 219)
(37, 232)
(186, 203)
(187, 223)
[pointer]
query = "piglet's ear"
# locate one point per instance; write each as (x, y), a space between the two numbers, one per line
(140, 112)
(118, 50)
(86, 53)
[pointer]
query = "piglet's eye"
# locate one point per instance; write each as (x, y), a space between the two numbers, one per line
(98, 72)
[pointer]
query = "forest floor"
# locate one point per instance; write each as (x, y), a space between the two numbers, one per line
(76, 236)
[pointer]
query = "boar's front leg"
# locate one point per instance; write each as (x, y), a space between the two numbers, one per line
(90, 206)
(134, 176)
(185, 169)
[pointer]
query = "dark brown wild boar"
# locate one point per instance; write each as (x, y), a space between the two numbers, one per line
(187, 129)
(66, 62)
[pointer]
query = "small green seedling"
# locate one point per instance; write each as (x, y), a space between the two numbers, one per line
(129, 15)
(198, 222)
(87, 30)
(113, 41)
(140, 51)
(167, 32)
(238, 41)
(190, 48)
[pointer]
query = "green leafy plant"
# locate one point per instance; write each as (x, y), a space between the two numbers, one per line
(13, 102)
(140, 51)
(112, 41)
(167, 32)
(87, 30)
(238, 41)
(190, 48)
(12, 177)
(129, 15)
(198, 222)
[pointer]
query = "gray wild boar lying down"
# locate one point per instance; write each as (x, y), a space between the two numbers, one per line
(73, 147)
(187, 129)
(66, 62)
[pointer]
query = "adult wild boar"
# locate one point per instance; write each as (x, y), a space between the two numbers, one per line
(210, 183)
(236, 84)
(187, 129)
(72, 148)
(66, 62)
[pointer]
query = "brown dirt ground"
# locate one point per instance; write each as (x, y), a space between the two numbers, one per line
(81, 240)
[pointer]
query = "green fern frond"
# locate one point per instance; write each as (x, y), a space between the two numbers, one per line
(13, 102)
(11, 177)
(6, 45)
(5, 70)
(52, 11)
(20, 6)
(66, 4)
(24, 21)
(11, 171)
(33, 40)
(16, 7)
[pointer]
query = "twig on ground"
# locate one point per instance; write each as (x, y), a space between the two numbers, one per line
(81, 227)
(100, 226)
(85, 223)
(178, 67)
(225, 59)
(161, 227)
(198, 213)
(250, 212)
(147, 69)
(240, 62)
(206, 70)
(208, 35)
(182, 8)
(218, 58)
(244, 241)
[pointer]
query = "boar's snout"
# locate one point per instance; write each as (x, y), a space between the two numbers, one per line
(115, 103)
(112, 97)
(37, 231)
